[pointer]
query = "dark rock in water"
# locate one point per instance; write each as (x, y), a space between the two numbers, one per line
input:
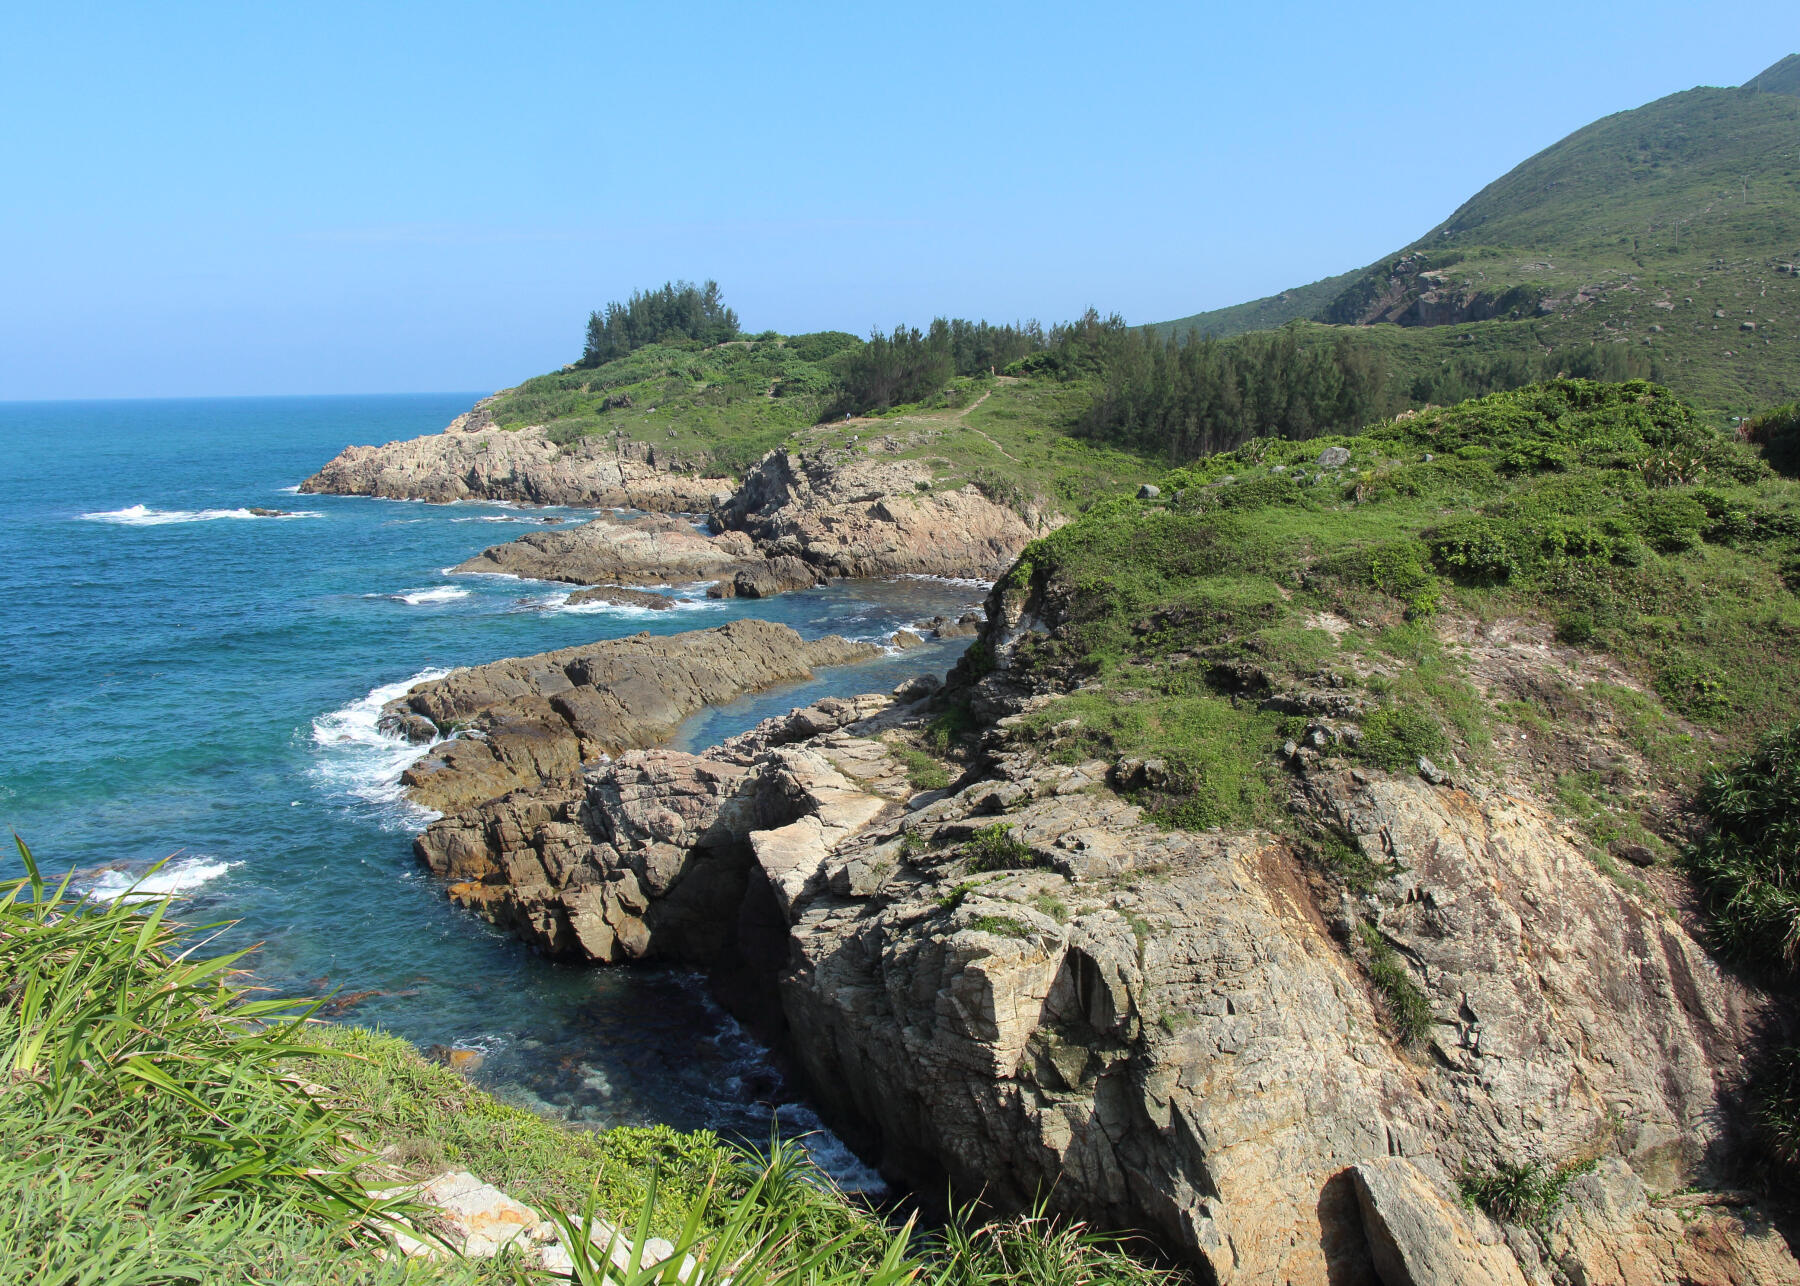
(906, 640)
(621, 597)
(942, 627)
(260, 512)
(773, 576)
(408, 726)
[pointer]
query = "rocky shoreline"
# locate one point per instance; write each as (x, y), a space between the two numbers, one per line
(1016, 982)
(473, 459)
(797, 518)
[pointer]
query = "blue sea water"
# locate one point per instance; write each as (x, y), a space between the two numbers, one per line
(186, 679)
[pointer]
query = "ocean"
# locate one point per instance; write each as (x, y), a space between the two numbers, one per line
(193, 682)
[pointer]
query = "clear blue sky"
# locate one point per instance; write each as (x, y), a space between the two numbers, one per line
(238, 198)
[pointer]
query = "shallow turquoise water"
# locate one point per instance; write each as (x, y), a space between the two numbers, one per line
(185, 679)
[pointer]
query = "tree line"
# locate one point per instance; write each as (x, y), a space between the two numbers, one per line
(680, 310)
(1178, 397)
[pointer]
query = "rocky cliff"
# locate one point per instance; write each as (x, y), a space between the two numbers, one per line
(1022, 983)
(474, 459)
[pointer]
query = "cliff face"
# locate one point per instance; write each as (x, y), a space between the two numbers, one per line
(1024, 985)
(849, 514)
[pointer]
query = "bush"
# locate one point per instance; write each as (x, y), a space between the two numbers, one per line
(1775, 1103)
(993, 848)
(1397, 737)
(1748, 864)
(1472, 549)
(1777, 432)
(1408, 1010)
(1521, 1194)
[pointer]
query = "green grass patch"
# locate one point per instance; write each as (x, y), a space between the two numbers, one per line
(1408, 1011)
(922, 771)
(1527, 1194)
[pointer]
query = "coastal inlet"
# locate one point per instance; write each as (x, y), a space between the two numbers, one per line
(205, 681)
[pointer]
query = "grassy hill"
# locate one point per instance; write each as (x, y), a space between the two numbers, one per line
(723, 406)
(1672, 230)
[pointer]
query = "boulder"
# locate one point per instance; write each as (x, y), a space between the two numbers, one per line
(612, 551)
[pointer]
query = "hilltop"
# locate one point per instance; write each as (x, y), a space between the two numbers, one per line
(1671, 230)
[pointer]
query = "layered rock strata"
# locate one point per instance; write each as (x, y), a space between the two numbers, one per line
(533, 721)
(1169, 1030)
(850, 514)
(476, 460)
(608, 551)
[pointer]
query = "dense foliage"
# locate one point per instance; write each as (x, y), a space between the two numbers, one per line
(1748, 862)
(910, 365)
(1181, 398)
(680, 310)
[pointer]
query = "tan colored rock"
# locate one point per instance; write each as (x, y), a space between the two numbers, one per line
(613, 551)
(849, 514)
(1420, 1236)
(475, 460)
(534, 720)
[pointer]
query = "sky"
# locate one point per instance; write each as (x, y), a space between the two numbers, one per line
(227, 199)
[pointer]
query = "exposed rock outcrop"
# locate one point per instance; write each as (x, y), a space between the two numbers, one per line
(475, 459)
(849, 514)
(645, 551)
(1163, 1029)
(616, 596)
(533, 721)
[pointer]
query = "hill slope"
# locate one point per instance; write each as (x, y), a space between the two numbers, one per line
(1673, 228)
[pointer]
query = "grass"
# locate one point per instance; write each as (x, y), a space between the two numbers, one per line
(1527, 1194)
(922, 771)
(994, 848)
(1408, 1010)
(159, 1125)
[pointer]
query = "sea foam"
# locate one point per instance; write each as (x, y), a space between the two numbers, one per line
(144, 516)
(357, 760)
(131, 883)
(428, 594)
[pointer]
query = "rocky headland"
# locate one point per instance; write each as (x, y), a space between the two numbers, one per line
(474, 459)
(796, 519)
(1020, 982)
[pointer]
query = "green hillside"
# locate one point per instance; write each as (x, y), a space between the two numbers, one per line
(1262, 314)
(1672, 229)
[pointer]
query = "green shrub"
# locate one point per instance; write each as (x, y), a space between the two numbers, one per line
(1775, 1103)
(1748, 863)
(1397, 737)
(1777, 432)
(1521, 1194)
(993, 848)
(1670, 522)
(1472, 549)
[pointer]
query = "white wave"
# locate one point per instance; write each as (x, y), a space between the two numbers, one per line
(131, 884)
(829, 1152)
(358, 759)
(144, 516)
(428, 594)
(292, 491)
(975, 582)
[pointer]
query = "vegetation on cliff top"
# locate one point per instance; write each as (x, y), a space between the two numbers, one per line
(1359, 567)
(160, 1126)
